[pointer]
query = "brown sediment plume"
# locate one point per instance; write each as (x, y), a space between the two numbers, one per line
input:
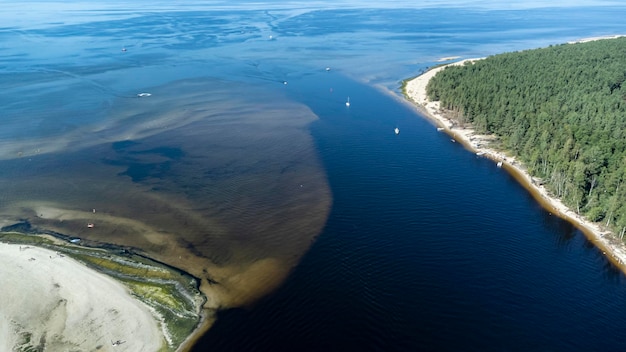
(229, 190)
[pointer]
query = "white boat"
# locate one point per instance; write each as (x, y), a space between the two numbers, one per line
(141, 95)
(440, 129)
(348, 102)
(480, 153)
(327, 68)
(397, 130)
(499, 163)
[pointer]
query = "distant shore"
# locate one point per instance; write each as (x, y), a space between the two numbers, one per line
(415, 90)
(590, 39)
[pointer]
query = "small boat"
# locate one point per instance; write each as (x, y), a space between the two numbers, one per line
(123, 49)
(480, 153)
(90, 225)
(499, 163)
(327, 68)
(348, 102)
(440, 129)
(397, 130)
(452, 140)
(141, 95)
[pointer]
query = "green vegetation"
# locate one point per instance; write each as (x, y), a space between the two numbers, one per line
(20, 238)
(173, 295)
(561, 110)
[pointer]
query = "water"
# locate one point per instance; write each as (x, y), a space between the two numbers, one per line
(428, 247)
(368, 240)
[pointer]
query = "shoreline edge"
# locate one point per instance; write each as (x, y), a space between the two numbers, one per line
(415, 91)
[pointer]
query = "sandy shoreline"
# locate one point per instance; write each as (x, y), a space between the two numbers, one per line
(606, 241)
(59, 304)
(591, 39)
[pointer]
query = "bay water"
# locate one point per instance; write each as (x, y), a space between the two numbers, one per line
(311, 224)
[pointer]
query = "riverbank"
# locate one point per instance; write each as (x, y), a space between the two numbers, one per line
(483, 145)
(65, 296)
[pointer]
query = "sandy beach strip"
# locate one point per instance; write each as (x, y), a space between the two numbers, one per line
(51, 302)
(591, 39)
(607, 242)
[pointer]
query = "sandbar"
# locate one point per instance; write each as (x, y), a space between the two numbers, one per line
(52, 302)
(448, 58)
(610, 245)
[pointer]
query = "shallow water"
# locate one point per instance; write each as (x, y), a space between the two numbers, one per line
(245, 163)
(202, 179)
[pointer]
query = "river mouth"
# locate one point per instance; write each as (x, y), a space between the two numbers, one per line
(226, 188)
(426, 247)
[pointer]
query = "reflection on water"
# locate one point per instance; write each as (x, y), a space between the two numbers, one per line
(228, 188)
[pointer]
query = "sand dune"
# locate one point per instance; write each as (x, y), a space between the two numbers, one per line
(57, 304)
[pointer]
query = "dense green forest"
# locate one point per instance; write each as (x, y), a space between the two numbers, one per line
(561, 110)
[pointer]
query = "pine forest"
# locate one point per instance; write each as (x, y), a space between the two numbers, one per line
(561, 110)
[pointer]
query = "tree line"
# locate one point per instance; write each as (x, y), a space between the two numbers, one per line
(561, 110)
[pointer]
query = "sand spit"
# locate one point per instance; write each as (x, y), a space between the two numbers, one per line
(591, 39)
(57, 304)
(611, 246)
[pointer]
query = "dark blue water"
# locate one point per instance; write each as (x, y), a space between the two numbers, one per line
(427, 247)
(392, 242)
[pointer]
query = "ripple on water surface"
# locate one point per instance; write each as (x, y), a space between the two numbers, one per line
(195, 175)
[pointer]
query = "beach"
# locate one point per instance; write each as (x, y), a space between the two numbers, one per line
(58, 304)
(584, 40)
(611, 246)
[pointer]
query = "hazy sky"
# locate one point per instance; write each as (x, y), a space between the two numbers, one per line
(29, 14)
(28, 6)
